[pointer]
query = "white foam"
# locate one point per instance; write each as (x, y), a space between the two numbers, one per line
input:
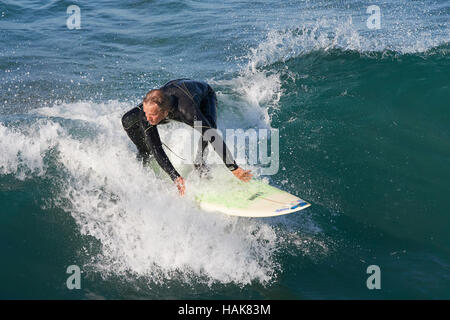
(23, 152)
(257, 87)
(144, 227)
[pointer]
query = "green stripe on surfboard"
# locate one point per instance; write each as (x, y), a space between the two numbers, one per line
(236, 194)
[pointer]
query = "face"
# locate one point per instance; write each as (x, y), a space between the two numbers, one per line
(154, 114)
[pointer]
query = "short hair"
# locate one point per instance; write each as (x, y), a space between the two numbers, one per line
(158, 97)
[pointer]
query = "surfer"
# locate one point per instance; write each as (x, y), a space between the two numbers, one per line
(183, 100)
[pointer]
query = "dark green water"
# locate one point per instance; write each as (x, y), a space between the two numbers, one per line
(363, 118)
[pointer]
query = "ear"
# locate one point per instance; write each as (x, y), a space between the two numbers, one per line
(166, 113)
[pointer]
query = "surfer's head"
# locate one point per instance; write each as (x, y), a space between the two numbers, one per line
(156, 106)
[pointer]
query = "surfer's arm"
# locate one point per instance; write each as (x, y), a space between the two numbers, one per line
(154, 144)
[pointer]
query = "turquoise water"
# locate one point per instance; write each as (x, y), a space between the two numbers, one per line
(363, 118)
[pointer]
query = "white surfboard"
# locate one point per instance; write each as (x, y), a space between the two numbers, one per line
(249, 199)
(223, 192)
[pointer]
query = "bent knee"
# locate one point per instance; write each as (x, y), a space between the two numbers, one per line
(130, 118)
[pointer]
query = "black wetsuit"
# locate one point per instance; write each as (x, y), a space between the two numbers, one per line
(191, 101)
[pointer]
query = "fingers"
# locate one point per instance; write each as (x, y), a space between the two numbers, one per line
(247, 175)
(180, 185)
(243, 175)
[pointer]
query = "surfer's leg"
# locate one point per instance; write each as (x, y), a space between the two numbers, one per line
(132, 123)
(199, 163)
(209, 110)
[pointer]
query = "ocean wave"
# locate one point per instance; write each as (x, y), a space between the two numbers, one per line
(142, 231)
(280, 46)
(255, 90)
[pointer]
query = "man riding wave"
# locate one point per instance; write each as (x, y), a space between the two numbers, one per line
(186, 101)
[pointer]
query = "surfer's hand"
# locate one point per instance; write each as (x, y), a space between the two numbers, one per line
(241, 174)
(180, 185)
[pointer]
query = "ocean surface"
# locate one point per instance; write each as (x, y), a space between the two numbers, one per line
(363, 116)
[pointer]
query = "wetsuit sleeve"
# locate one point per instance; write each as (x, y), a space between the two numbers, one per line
(211, 135)
(154, 144)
